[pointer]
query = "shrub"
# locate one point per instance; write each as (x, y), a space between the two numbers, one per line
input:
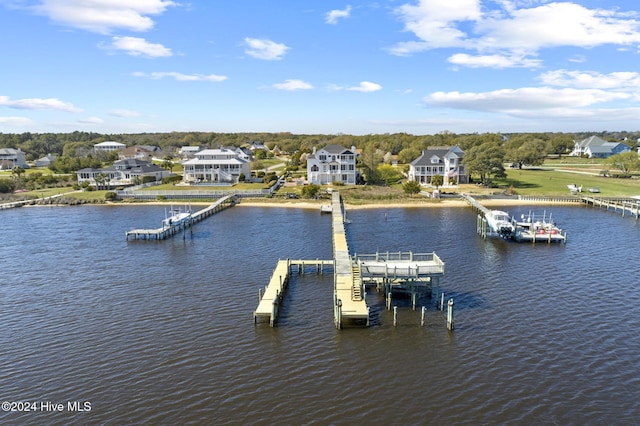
(110, 196)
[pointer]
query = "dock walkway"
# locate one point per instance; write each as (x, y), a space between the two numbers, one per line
(349, 301)
(626, 206)
(169, 231)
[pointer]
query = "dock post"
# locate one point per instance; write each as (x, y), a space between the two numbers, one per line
(339, 314)
(442, 302)
(395, 316)
(424, 309)
(259, 295)
(389, 300)
(413, 299)
(368, 315)
(450, 315)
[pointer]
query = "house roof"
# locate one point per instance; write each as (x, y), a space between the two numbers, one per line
(336, 149)
(439, 152)
(592, 141)
(109, 143)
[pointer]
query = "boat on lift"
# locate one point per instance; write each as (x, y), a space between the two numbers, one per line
(176, 217)
(499, 223)
(534, 228)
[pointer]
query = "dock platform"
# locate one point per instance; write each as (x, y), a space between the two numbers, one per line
(169, 231)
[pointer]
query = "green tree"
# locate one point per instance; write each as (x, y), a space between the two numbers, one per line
(310, 191)
(437, 180)
(485, 160)
(527, 150)
(7, 186)
(411, 187)
(17, 171)
(389, 174)
(560, 144)
(626, 162)
(167, 163)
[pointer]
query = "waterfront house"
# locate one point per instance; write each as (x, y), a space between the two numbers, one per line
(595, 147)
(333, 163)
(108, 146)
(123, 173)
(11, 157)
(442, 161)
(220, 165)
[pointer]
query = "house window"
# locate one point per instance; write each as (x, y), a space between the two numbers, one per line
(314, 168)
(344, 178)
(323, 157)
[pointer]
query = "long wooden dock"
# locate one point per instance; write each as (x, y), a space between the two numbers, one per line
(412, 273)
(270, 301)
(629, 207)
(169, 231)
(349, 301)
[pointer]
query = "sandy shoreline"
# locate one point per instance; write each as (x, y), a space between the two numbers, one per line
(315, 204)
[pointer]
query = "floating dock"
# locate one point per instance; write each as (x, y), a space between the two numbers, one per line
(169, 231)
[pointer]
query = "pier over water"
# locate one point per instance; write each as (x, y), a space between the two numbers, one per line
(348, 292)
(409, 273)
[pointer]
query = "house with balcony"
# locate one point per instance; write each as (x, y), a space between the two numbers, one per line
(221, 165)
(595, 147)
(108, 146)
(11, 157)
(122, 173)
(333, 163)
(442, 161)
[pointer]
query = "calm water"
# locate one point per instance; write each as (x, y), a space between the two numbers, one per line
(162, 332)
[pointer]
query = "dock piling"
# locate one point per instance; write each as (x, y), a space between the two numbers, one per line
(422, 315)
(395, 316)
(450, 315)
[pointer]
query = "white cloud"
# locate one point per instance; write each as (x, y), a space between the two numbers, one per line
(91, 120)
(103, 16)
(265, 49)
(592, 79)
(15, 121)
(365, 86)
(493, 61)
(136, 46)
(520, 100)
(181, 77)
(518, 29)
(124, 113)
(39, 104)
(293, 85)
(333, 16)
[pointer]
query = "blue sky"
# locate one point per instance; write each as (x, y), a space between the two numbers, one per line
(356, 67)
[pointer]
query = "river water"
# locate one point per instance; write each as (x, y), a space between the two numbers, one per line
(150, 332)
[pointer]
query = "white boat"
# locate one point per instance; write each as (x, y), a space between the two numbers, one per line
(499, 223)
(325, 208)
(176, 217)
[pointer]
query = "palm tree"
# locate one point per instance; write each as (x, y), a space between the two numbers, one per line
(17, 171)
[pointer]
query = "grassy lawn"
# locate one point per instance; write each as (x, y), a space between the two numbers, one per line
(554, 182)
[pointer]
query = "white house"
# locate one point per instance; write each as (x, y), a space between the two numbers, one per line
(45, 161)
(216, 166)
(11, 157)
(595, 147)
(333, 163)
(109, 146)
(124, 172)
(442, 161)
(187, 152)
